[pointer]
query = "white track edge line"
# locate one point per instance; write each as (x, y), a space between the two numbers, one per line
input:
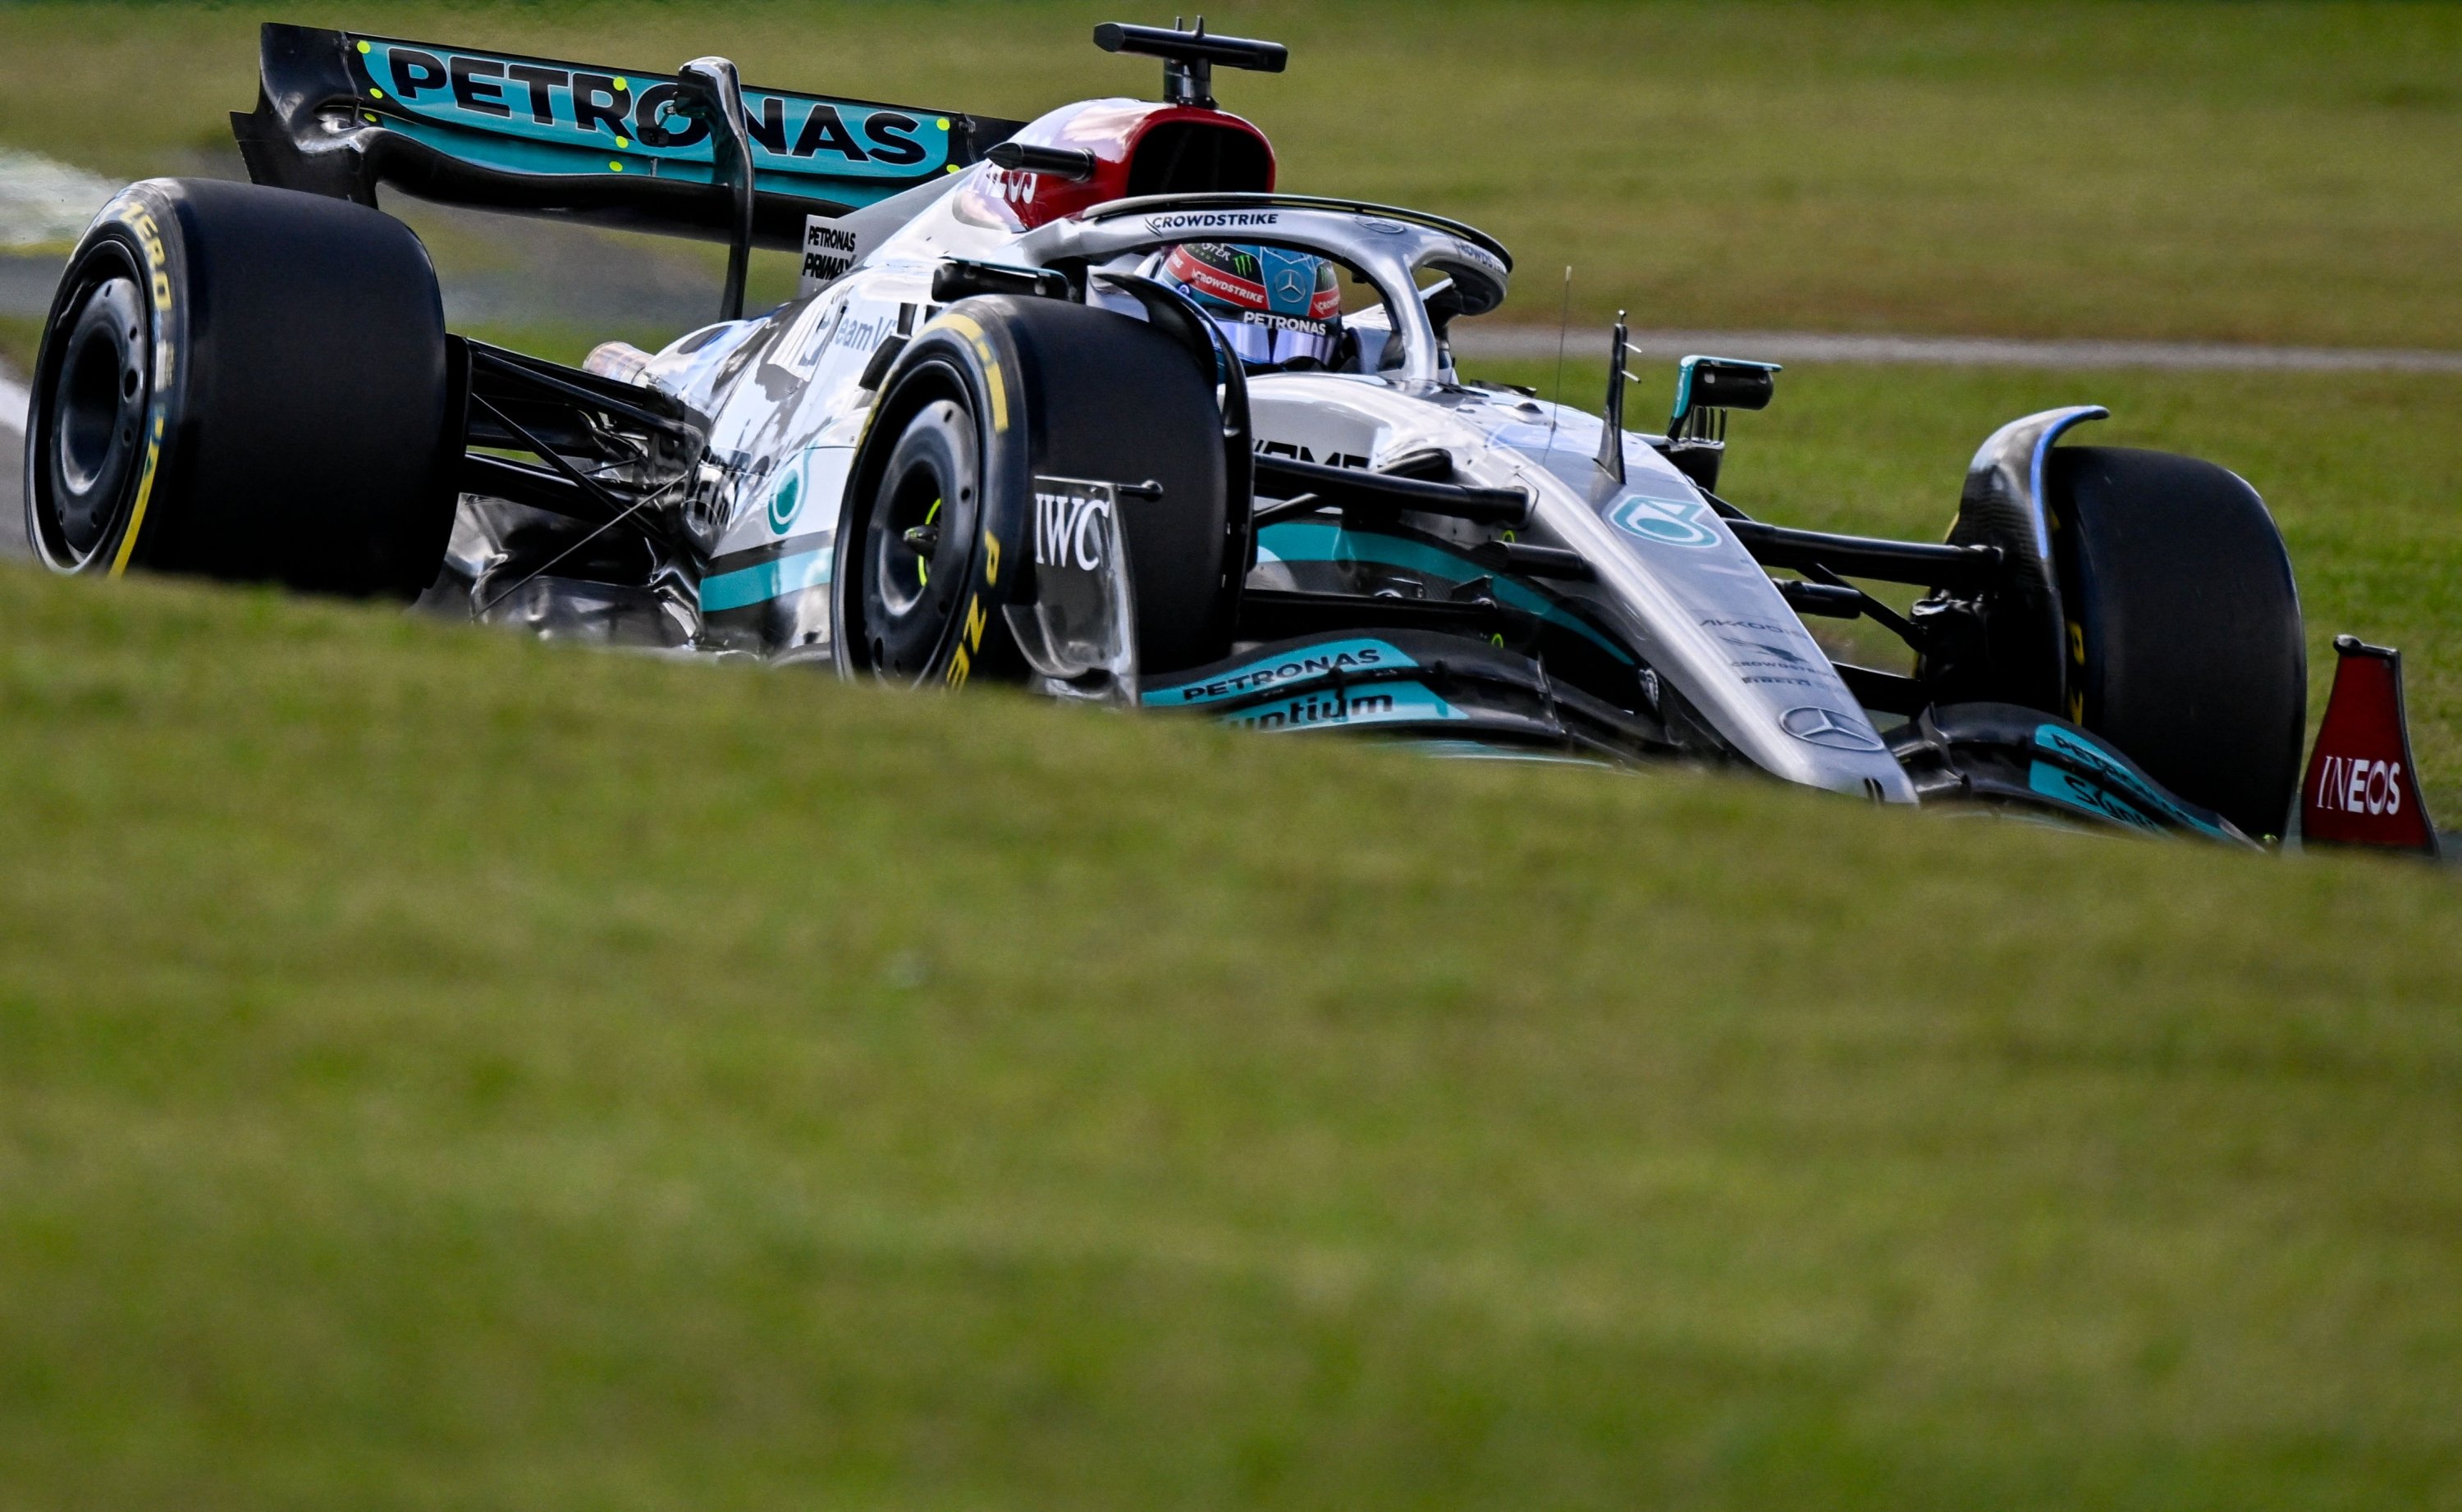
(15, 403)
(1804, 346)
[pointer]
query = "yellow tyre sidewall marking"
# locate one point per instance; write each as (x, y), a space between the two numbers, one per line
(150, 240)
(971, 636)
(965, 327)
(144, 492)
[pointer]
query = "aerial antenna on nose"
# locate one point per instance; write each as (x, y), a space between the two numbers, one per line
(1188, 57)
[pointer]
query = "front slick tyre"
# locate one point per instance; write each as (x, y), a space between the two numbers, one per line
(246, 384)
(937, 531)
(2186, 647)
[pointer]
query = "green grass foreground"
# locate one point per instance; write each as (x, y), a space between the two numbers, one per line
(438, 1070)
(443, 1070)
(2259, 172)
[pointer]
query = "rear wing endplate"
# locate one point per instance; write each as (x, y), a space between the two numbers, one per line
(340, 112)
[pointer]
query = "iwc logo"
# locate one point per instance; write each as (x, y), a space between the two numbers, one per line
(1814, 725)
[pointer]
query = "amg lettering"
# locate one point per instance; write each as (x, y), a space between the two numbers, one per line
(1301, 454)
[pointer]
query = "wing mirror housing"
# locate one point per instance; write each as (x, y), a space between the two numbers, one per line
(1719, 383)
(1706, 389)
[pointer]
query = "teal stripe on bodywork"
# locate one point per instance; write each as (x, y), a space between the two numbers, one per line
(770, 580)
(1307, 541)
(2076, 792)
(2136, 790)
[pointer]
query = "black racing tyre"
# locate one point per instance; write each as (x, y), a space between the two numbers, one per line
(925, 512)
(2185, 644)
(248, 384)
(938, 528)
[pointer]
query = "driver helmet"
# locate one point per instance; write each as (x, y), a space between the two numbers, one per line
(1279, 311)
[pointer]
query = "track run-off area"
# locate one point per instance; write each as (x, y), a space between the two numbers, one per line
(1524, 343)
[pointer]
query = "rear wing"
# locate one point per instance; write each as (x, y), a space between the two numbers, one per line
(340, 112)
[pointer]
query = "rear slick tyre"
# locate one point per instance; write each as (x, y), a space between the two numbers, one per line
(246, 384)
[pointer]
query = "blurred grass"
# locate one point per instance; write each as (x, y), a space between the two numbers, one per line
(2258, 172)
(437, 1069)
(19, 337)
(443, 1070)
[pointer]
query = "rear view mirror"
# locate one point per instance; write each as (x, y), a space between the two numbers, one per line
(1706, 389)
(1719, 383)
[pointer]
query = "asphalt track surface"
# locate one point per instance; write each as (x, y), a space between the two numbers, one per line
(633, 287)
(1590, 342)
(662, 297)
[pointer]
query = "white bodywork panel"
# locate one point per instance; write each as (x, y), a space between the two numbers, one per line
(785, 397)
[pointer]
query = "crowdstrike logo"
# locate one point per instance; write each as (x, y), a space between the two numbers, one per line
(1212, 220)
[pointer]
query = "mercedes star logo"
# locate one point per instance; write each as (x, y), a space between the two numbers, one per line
(1824, 727)
(1290, 286)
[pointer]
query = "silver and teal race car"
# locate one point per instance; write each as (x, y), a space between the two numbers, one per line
(1089, 404)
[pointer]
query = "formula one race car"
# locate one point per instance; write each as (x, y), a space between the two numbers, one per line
(1086, 404)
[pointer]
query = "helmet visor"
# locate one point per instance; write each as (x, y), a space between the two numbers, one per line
(1268, 342)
